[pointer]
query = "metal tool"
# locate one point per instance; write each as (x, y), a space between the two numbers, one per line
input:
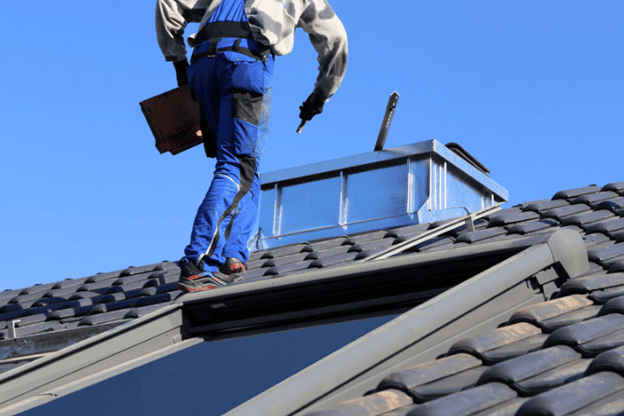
(303, 123)
(387, 120)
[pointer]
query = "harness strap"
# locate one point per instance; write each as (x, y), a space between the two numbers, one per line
(224, 30)
(213, 49)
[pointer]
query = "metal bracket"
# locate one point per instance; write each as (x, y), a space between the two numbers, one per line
(12, 330)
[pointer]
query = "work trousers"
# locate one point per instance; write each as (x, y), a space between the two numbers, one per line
(235, 94)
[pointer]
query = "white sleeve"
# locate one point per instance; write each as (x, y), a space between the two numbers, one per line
(329, 38)
(171, 19)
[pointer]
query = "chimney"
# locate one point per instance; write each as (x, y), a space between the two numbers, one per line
(411, 184)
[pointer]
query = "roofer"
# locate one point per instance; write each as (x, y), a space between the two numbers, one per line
(230, 76)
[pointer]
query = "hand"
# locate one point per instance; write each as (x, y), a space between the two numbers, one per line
(311, 107)
(180, 68)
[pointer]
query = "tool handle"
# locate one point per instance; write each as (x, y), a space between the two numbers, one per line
(303, 123)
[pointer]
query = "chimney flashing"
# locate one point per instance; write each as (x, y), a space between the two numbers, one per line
(410, 184)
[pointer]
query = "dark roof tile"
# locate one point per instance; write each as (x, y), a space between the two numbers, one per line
(609, 405)
(452, 384)
(290, 259)
(553, 378)
(409, 231)
(615, 305)
(543, 311)
(502, 219)
(577, 335)
(595, 198)
(576, 192)
(546, 205)
(602, 344)
(433, 243)
(563, 212)
(466, 402)
(608, 361)
(573, 396)
(69, 283)
(333, 260)
(570, 318)
(284, 250)
(614, 186)
(289, 268)
(514, 349)
(368, 236)
(596, 240)
(371, 405)
(530, 365)
(491, 340)
(257, 255)
(102, 318)
(429, 372)
(144, 310)
(615, 205)
(606, 255)
(507, 408)
(532, 226)
(481, 235)
(611, 227)
(592, 282)
(586, 219)
(602, 296)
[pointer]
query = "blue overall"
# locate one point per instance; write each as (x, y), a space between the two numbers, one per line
(235, 92)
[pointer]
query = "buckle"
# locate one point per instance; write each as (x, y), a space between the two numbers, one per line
(212, 48)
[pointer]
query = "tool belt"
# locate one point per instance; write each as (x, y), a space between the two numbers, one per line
(228, 36)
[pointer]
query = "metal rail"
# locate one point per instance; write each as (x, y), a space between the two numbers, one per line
(468, 219)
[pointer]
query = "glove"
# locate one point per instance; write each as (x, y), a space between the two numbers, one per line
(311, 107)
(180, 68)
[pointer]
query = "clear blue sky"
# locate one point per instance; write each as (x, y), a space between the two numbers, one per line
(534, 90)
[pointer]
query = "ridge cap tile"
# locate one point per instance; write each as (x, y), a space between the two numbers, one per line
(573, 396)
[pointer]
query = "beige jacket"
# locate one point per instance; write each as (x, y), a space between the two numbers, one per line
(273, 23)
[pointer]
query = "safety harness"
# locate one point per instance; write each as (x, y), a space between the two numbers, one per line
(228, 36)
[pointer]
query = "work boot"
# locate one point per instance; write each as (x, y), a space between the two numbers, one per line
(194, 279)
(232, 266)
